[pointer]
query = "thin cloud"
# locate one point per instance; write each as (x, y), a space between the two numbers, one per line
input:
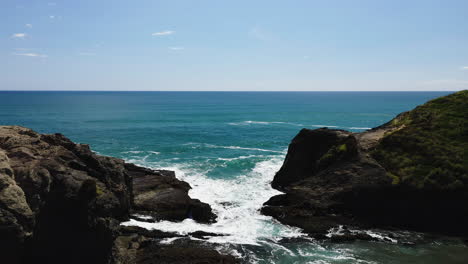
(464, 67)
(163, 33)
(37, 55)
(259, 33)
(86, 53)
(19, 35)
(28, 25)
(51, 17)
(176, 48)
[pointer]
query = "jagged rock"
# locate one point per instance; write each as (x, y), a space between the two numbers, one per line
(62, 203)
(158, 193)
(138, 245)
(203, 234)
(349, 237)
(385, 177)
(59, 200)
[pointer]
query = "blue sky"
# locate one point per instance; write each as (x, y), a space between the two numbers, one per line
(234, 45)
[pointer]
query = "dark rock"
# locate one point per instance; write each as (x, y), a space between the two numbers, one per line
(317, 184)
(62, 203)
(138, 245)
(132, 230)
(310, 149)
(160, 194)
(333, 177)
(349, 237)
(288, 240)
(203, 235)
(182, 255)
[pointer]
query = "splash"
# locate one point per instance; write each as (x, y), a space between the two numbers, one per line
(237, 202)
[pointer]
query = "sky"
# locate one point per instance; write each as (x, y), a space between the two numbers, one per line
(201, 45)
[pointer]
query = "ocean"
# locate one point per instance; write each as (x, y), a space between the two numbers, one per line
(228, 146)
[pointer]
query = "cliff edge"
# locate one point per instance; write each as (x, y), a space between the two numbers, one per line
(410, 173)
(62, 203)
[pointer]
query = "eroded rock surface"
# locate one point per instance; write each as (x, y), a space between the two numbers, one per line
(138, 245)
(409, 173)
(62, 203)
(158, 193)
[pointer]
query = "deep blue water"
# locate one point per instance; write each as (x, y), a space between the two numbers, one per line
(227, 145)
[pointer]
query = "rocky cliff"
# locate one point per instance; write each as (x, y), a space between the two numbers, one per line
(409, 173)
(62, 203)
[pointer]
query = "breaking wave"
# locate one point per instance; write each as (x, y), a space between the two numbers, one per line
(236, 202)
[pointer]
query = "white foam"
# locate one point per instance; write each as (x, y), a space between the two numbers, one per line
(323, 126)
(365, 128)
(241, 157)
(250, 122)
(236, 202)
(243, 148)
(133, 152)
(168, 240)
(144, 217)
(381, 236)
(140, 151)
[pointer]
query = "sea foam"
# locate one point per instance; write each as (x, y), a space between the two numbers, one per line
(236, 202)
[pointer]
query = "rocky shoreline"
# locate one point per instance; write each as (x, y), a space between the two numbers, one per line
(405, 174)
(62, 203)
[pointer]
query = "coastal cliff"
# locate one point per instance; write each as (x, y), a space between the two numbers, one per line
(62, 203)
(410, 173)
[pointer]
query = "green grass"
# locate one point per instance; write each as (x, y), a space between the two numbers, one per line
(336, 153)
(430, 150)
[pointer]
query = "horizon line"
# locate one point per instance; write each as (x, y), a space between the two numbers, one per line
(230, 91)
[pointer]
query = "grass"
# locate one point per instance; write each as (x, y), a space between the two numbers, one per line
(430, 148)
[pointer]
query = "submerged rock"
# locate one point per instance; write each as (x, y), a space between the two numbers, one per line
(409, 173)
(62, 203)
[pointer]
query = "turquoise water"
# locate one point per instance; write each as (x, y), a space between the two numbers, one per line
(228, 145)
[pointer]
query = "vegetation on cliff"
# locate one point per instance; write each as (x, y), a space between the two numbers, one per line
(429, 147)
(410, 173)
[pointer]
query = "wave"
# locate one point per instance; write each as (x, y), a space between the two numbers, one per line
(198, 145)
(249, 122)
(140, 151)
(237, 202)
(132, 152)
(323, 126)
(249, 235)
(243, 148)
(241, 157)
(360, 128)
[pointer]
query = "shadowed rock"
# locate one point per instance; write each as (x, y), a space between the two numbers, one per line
(409, 173)
(62, 203)
(158, 193)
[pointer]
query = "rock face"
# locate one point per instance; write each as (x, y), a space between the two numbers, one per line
(61, 203)
(138, 245)
(385, 177)
(159, 194)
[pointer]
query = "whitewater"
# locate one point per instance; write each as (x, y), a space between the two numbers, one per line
(228, 147)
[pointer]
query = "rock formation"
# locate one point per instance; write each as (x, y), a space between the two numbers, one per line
(62, 203)
(409, 173)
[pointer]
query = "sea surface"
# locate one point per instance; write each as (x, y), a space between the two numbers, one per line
(228, 146)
